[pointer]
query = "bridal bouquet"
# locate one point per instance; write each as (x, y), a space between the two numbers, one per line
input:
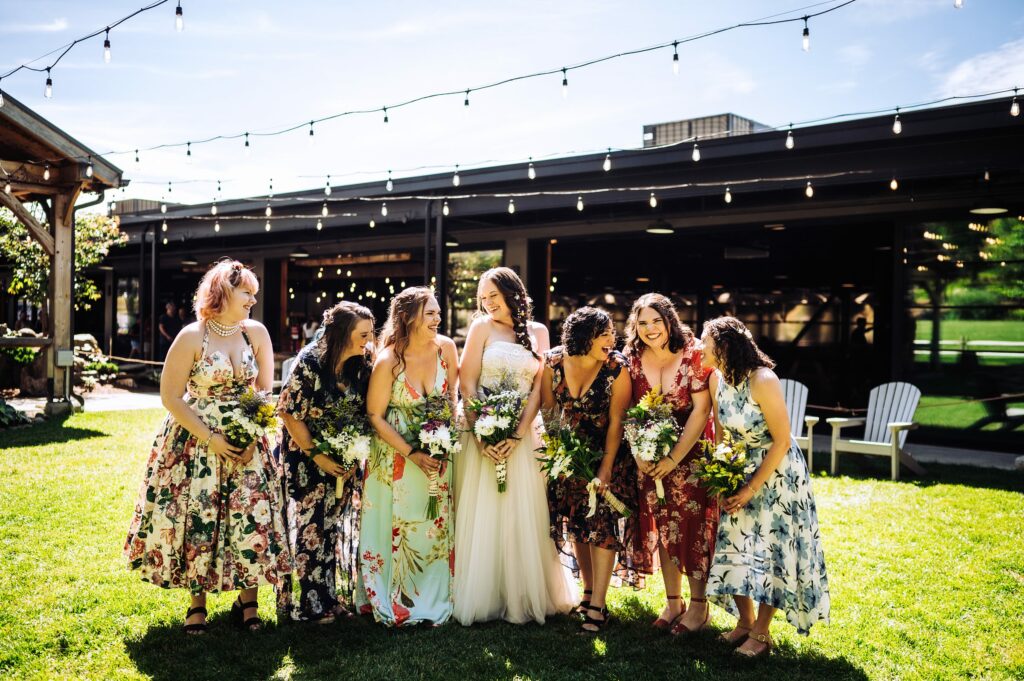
(725, 467)
(439, 437)
(651, 432)
(252, 415)
(497, 416)
(566, 454)
(342, 432)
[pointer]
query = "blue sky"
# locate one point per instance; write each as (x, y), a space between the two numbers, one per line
(258, 65)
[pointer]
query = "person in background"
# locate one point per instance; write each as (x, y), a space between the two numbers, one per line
(169, 326)
(309, 330)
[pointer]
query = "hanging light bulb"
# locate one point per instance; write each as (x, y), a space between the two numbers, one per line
(986, 176)
(136, 155)
(897, 125)
(319, 225)
(384, 209)
(385, 114)
(653, 200)
(607, 165)
(579, 203)
(565, 84)
(809, 191)
(675, 57)
(113, 205)
(327, 187)
(179, 19)
(511, 206)
(893, 184)
(88, 168)
(1014, 105)
(106, 48)
(48, 91)
(323, 210)
(373, 223)
(266, 227)
(790, 142)
(165, 241)
(163, 206)
(213, 207)
(216, 225)
(46, 172)
(531, 172)
(807, 37)
(247, 148)
(389, 185)
(268, 211)
(728, 195)
(455, 178)
(188, 152)
(444, 209)
(696, 153)
(1, 97)
(466, 102)
(163, 227)
(7, 185)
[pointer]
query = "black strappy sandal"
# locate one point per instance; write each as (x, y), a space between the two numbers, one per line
(584, 605)
(197, 628)
(238, 609)
(598, 624)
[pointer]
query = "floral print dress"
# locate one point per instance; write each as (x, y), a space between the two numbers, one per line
(406, 561)
(201, 524)
(770, 551)
(588, 415)
(685, 525)
(322, 529)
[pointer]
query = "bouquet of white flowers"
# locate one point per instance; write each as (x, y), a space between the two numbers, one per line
(651, 432)
(725, 468)
(438, 435)
(497, 416)
(249, 417)
(343, 434)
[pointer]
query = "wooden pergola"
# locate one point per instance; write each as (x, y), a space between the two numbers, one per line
(42, 164)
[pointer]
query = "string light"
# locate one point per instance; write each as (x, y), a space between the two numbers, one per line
(213, 207)
(88, 168)
(163, 227)
(653, 200)
(809, 191)
(1014, 105)
(247, 148)
(179, 19)
(565, 84)
(7, 185)
(531, 172)
(893, 184)
(466, 103)
(373, 223)
(511, 206)
(319, 225)
(389, 185)
(384, 209)
(607, 165)
(106, 48)
(323, 210)
(897, 125)
(268, 211)
(385, 114)
(327, 187)
(48, 91)
(216, 226)
(807, 37)
(188, 152)
(444, 209)
(136, 155)
(46, 172)
(986, 176)
(266, 227)
(311, 140)
(696, 153)
(455, 178)
(790, 142)
(165, 241)
(728, 195)
(675, 57)
(579, 203)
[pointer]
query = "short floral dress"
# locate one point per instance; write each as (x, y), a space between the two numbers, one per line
(568, 499)
(770, 551)
(322, 529)
(406, 560)
(685, 526)
(200, 524)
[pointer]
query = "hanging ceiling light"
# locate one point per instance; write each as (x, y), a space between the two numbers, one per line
(696, 153)
(565, 84)
(455, 178)
(806, 42)
(659, 226)
(607, 165)
(106, 48)
(675, 57)
(809, 190)
(653, 200)
(531, 172)
(299, 253)
(389, 185)
(579, 203)
(790, 142)
(897, 124)
(511, 206)
(893, 184)
(444, 209)
(728, 195)
(179, 19)
(1014, 105)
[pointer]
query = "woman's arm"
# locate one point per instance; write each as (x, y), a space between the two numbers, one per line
(713, 389)
(450, 355)
(692, 431)
(470, 364)
(533, 402)
(622, 392)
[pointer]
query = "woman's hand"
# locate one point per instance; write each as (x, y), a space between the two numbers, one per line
(665, 466)
(504, 448)
(225, 452)
(488, 450)
(604, 475)
(734, 503)
(427, 463)
(246, 456)
(645, 467)
(329, 466)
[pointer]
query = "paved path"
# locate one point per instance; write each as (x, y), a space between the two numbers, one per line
(104, 402)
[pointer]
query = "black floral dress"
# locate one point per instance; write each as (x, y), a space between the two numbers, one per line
(568, 499)
(322, 529)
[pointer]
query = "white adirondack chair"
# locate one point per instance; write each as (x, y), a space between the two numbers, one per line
(795, 393)
(890, 415)
(286, 369)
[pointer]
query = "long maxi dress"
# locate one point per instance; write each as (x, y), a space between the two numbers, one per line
(406, 560)
(506, 565)
(685, 525)
(200, 524)
(770, 551)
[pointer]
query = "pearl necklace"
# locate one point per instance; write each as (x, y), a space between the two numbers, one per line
(223, 330)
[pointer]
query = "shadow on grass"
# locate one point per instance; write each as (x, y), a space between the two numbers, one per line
(51, 431)
(877, 468)
(628, 648)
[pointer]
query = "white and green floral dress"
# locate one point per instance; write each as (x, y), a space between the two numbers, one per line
(770, 551)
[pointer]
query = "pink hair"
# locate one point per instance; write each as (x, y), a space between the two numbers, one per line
(215, 288)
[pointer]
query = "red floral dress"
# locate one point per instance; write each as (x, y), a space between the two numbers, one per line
(686, 525)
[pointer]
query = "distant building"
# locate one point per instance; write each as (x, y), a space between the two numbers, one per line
(722, 125)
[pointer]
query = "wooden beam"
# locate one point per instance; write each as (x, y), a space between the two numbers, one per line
(61, 265)
(25, 342)
(38, 232)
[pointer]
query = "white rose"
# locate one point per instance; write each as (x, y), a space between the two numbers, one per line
(261, 512)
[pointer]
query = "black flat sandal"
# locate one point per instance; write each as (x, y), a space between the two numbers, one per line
(584, 605)
(598, 624)
(197, 628)
(238, 609)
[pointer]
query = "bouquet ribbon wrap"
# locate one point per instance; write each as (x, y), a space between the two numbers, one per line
(612, 500)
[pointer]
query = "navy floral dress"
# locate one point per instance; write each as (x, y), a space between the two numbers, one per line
(567, 499)
(770, 551)
(322, 529)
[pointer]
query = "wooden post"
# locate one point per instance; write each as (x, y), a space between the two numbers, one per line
(61, 268)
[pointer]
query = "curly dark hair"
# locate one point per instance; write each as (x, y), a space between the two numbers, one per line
(581, 328)
(512, 290)
(735, 349)
(679, 334)
(339, 322)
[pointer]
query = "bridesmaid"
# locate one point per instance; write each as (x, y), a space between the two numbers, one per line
(768, 549)
(406, 559)
(208, 516)
(663, 355)
(321, 527)
(585, 385)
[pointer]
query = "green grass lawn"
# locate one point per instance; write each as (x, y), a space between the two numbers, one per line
(927, 582)
(974, 329)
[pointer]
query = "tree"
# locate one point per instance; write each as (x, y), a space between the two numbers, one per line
(95, 235)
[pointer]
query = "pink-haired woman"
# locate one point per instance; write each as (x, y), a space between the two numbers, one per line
(208, 516)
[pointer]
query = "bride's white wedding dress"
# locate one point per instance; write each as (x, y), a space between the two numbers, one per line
(506, 565)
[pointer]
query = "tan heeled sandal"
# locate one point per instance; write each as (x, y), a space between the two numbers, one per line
(764, 639)
(734, 642)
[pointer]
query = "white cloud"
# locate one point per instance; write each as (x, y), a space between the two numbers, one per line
(999, 69)
(54, 26)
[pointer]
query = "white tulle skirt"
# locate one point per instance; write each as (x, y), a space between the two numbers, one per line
(506, 565)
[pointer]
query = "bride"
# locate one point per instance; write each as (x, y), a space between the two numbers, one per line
(506, 565)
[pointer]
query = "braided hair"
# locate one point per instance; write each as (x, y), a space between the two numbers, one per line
(513, 292)
(735, 349)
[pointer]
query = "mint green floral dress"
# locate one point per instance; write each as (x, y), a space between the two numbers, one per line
(407, 561)
(770, 551)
